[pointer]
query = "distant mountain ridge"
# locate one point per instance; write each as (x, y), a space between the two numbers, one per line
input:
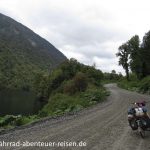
(23, 53)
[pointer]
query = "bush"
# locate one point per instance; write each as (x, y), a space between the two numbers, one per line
(43, 113)
(20, 121)
(96, 95)
(129, 85)
(80, 82)
(145, 85)
(24, 120)
(61, 103)
(11, 120)
(70, 88)
(8, 120)
(136, 85)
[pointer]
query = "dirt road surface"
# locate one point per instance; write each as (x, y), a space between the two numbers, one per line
(102, 127)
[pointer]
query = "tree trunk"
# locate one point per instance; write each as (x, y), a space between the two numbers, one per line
(127, 73)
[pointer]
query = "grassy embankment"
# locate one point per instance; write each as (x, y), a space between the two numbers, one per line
(141, 86)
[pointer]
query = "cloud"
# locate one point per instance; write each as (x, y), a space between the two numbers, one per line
(88, 30)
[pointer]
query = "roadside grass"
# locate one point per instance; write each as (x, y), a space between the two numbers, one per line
(129, 85)
(141, 86)
(10, 121)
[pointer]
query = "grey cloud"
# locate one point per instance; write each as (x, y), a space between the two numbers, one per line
(73, 29)
(98, 51)
(83, 38)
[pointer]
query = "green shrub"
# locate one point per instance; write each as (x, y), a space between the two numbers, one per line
(8, 119)
(80, 82)
(145, 85)
(96, 95)
(21, 121)
(70, 88)
(43, 113)
(61, 103)
(132, 85)
(136, 85)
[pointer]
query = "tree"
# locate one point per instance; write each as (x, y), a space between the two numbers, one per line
(135, 56)
(41, 86)
(145, 54)
(70, 67)
(113, 71)
(123, 54)
(113, 75)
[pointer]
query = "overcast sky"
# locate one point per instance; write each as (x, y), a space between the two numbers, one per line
(89, 30)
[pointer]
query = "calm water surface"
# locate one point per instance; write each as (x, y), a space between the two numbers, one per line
(19, 102)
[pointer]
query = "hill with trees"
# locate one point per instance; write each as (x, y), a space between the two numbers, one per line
(23, 54)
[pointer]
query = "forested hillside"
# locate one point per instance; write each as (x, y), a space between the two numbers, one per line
(23, 53)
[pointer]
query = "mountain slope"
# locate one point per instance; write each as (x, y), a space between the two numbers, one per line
(23, 53)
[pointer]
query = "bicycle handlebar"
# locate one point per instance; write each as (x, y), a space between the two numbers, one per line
(140, 102)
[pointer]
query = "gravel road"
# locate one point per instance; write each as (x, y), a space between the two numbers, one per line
(102, 127)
